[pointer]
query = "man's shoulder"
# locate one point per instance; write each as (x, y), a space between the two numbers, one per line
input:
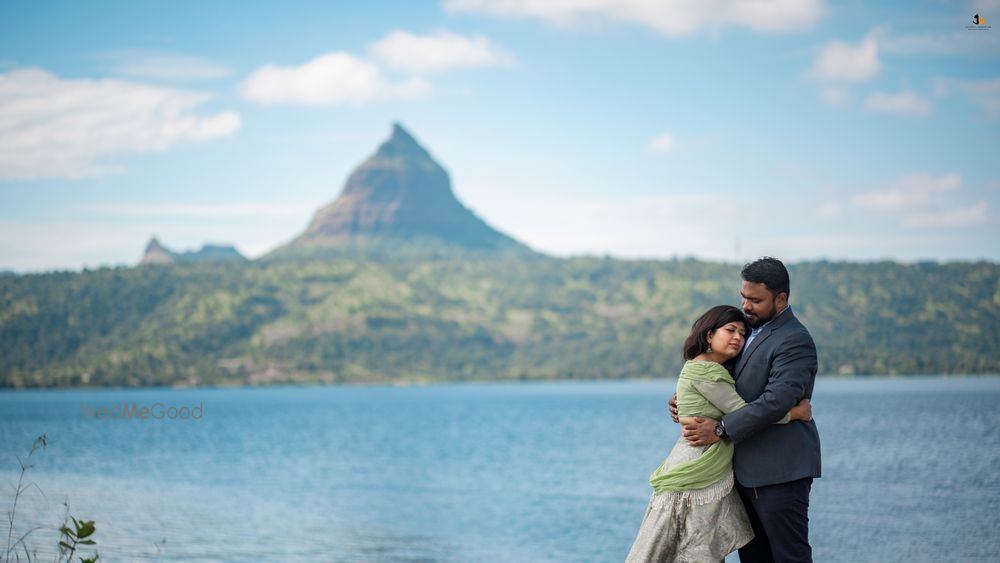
(792, 329)
(788, 319)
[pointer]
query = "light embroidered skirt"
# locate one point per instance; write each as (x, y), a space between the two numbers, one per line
(699, 525)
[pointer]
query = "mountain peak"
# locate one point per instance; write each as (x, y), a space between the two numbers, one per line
(401, 144)
(156, 253)
(400, 194)
(153, 245)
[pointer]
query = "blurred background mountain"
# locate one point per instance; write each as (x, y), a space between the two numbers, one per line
(397, 281)
(468, 317)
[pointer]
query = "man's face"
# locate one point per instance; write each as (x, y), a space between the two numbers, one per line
(758, 304)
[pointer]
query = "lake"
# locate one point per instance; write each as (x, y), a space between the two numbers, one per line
(476, 472)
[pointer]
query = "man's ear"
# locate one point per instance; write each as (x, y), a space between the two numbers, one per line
(781, 300)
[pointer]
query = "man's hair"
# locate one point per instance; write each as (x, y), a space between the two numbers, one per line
(770, 272)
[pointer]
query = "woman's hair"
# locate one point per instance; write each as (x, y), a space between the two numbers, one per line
(713, 319)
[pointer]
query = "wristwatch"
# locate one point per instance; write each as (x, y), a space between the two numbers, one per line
(720, 430)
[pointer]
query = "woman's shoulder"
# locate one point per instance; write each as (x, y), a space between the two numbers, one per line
(703, 370)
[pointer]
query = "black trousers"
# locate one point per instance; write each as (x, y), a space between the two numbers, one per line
(779, 515)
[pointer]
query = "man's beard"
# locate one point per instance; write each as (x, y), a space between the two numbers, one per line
(757, 322)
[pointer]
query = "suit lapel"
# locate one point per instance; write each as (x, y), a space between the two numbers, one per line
(753, 346)
(764, 334)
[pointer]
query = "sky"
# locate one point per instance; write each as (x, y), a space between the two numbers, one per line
(721, 130)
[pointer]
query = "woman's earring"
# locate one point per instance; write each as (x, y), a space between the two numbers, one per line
(709, 347)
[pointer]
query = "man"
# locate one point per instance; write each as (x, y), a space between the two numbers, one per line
(774, 463)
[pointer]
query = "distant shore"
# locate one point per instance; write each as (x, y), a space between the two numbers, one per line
(430, 383)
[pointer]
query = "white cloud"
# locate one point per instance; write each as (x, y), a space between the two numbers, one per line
(344, 79)
(439, 52)
(836, 96)
(668, 17)
(829, 209)
(279, 209)
(964, 216)
(983, 7)
(986, 93)
(330, 79)
(35, 246)
(864, 243)
(53, 127)
(848, 62)
(923, 201)
(340, 78)
(915, 190)
(957, 43)
(673, 225)
(663, 143)
(638, 226)
(903, 103)
(169, 67)
(942, 87)
(31, 245)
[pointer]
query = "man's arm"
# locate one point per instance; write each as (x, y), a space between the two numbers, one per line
(700, 431)
(792, 371)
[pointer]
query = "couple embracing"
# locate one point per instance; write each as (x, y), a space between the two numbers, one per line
(739, 476)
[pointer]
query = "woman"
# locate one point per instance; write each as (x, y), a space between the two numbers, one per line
(695, 514)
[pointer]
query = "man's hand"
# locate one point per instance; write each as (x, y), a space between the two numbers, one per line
(699, 431)
(801, 411)
(673, 408)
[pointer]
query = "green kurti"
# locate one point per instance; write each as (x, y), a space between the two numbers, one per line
(703, 389)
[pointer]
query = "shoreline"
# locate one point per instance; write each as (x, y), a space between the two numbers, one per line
(439, 383)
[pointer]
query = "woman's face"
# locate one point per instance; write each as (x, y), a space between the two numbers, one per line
(727, 340)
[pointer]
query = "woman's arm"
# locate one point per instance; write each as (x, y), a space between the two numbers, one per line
(725, 398)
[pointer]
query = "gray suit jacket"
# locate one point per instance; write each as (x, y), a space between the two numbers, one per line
(776, 371)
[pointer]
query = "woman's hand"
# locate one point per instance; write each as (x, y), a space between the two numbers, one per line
(699, 431)
(673, 408)
(802, 411)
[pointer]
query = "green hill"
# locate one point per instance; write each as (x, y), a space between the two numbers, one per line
(396, 280)
(469, 317)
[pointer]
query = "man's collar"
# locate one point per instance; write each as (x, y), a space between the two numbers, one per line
(774, 318)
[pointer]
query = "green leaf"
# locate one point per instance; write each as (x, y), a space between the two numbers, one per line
(66, 545)
(88, 542)
(85, 529)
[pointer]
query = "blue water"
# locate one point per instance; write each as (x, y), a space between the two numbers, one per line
(493, 472)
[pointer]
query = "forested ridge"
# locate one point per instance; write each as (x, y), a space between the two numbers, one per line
(413, 319)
